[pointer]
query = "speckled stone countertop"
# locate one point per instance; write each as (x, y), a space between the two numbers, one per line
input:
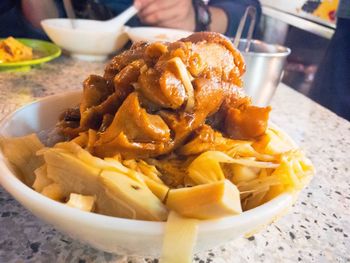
(316, 229)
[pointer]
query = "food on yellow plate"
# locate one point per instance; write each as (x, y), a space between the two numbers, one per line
(11, 50)
(167, 128)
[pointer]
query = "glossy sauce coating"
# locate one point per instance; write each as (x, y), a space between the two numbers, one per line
(154, 97)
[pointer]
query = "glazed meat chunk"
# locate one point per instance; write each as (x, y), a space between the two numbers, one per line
(153, 97)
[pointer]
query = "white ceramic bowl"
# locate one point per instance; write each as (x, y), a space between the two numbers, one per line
(122, 236)
(153, 34)
(89, 40)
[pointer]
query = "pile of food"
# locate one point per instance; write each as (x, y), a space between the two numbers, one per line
(165, 134)
(11, 50)
(166, 128)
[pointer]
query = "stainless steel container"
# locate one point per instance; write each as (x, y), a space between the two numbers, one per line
(264, 69)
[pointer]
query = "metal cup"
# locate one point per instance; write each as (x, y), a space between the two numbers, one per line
(264, 69)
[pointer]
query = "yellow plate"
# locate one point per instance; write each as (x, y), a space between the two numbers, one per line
(43, 51)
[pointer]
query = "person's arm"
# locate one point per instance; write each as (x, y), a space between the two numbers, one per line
(13, 23)
(234, 10)
(177, 14)
(219, 20)
(168, 14)
(225, 14)
(36, 10)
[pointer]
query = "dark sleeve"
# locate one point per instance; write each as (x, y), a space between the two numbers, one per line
(235, 10)
(13, 22)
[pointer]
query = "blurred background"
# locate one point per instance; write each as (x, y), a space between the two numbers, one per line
(305, 26)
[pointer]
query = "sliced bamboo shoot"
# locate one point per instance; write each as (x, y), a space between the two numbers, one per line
(206, 201)
(114, 191)
(179, 239)
(21, 153)
(74, 175)
(206, 167)
(41, 178)
(82, 202)
(159, 189)
(53, 191)
(146, 205)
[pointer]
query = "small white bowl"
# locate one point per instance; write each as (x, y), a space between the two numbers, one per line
(118, 235)
(90, 39)
(153, 34)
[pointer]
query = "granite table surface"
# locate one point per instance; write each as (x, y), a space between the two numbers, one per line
(316, 229)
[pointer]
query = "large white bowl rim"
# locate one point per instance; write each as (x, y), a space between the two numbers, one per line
(22, 192)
